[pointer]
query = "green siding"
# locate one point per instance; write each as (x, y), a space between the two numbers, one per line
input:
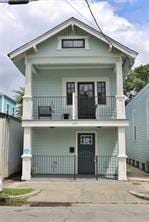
(97, 47)
(56, 142)
(138, 150)
(49, 83)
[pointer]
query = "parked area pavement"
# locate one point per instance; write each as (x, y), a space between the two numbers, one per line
(76, 213)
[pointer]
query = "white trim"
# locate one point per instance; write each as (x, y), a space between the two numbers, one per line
(76, 80)
(73, 60)
(75, 67)
(147, 117)
(119, 77)
(60, 38)
(75, 123)
(76, 153)
(86, 79)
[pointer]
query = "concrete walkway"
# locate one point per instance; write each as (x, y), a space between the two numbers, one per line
(84, 191)
(134, 173)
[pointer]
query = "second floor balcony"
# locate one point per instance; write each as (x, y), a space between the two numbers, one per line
(73, 108)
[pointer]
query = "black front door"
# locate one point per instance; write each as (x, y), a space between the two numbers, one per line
(86, 100)
(86, 153)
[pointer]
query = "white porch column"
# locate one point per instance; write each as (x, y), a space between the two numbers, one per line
(26, 157)
(27, 98)
(120, 98)
(122, 169)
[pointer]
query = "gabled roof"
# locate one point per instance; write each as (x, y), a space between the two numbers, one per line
(65, 24)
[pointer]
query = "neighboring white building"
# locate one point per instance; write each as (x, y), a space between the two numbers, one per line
(74, 106)
(11, 145)
(137, 134)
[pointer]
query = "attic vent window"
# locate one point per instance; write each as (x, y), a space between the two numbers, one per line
(73, 43)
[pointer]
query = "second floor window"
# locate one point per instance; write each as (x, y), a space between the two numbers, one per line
(73, 43)
(7, 110)
(13, 109)
(70, 88)
(134, 128)
(101, 92)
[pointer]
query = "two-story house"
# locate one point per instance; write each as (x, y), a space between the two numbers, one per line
(7, 105)
(74, 108)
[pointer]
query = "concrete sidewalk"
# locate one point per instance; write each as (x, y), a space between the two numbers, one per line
(84, 191)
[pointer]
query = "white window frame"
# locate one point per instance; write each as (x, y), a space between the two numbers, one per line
(60, 38)
(76, 80)
(147, 117)
(13, 111)
(7, 108)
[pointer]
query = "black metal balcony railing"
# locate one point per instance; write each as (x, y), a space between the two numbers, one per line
(105, 166)
(56, 108)
(53, 165)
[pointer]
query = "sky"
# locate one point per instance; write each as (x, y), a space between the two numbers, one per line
(124, 20)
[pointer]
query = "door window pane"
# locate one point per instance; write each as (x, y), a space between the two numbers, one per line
(86, 140)
(86, 89)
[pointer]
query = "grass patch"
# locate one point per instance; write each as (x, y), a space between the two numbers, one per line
(15, 191)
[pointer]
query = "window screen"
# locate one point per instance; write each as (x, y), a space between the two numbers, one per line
(73, 43)
(70, 88)
(101, 92)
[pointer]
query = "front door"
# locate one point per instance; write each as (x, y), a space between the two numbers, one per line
(86, 100)
(86, 153)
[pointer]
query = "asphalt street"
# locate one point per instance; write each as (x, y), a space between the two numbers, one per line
(77, 213)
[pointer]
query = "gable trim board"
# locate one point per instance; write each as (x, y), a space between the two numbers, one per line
(65, 24)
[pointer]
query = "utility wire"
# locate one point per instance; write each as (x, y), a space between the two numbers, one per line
(72, 6)
(88, 5)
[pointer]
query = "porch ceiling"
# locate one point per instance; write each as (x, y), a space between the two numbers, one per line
(75, 123)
